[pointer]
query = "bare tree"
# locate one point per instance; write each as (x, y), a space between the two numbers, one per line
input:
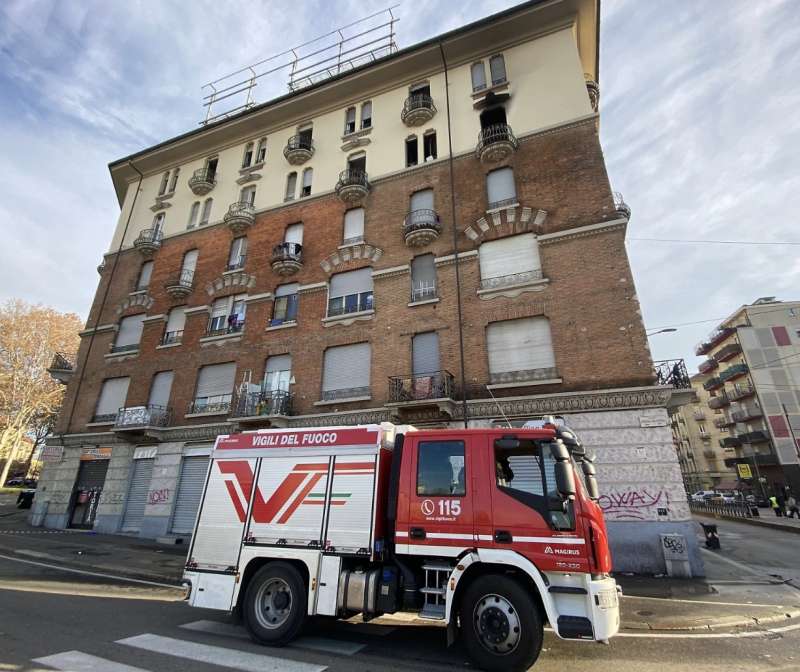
(29, 397)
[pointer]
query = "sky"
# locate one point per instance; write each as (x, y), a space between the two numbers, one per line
(699, 125)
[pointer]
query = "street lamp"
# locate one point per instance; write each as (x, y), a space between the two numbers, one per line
(662, 331)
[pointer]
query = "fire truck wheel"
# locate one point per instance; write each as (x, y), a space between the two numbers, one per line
(275, 604)
(500, 625)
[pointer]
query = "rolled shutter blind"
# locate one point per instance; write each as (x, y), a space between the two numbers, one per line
(308, 176)
(422, 200)
(130, 330)
(238, 249)
(206, 210)
(288, 289)
(346, 366)
(144, 274)
(423, 271)
(216, 380)
(352, 282)
(520, 345)
(425, 353)
(279, 363)
(294, 234)
(190, 492)
(366, 111)
(291, 186)
(160, 389)
(177, 319)
(112, 396)
(497, 69)
(190, 260)
(219, 308)
(137, 494)
(354, 223)
(500, 185)
(507, 256)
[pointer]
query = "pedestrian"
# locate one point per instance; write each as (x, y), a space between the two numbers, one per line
(791, 506)
(773, 502)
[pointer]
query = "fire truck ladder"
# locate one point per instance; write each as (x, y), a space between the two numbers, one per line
(436, 575)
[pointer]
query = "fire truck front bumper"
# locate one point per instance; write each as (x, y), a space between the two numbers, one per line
(604, 594)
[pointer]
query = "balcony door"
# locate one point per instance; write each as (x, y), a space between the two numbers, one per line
(425, 365)
(160, 389)
(493, 116)
(278, 373)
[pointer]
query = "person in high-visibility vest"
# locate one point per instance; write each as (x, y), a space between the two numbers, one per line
(776, 507)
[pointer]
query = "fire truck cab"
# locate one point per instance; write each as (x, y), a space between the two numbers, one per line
(495, 532)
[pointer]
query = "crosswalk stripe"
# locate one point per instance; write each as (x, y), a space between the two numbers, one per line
(218, 655)
(323, 644)
(77, 661)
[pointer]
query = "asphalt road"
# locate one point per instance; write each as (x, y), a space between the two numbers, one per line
(53, 619)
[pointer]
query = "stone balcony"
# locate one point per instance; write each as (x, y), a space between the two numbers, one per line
(180, 285)
(287, 258)
(353, 186)
(240, 216)
(298, 150)
(203, 181)
(496, 143)
(148, 242)
(418, 109)
(62, 367)
(421, 227)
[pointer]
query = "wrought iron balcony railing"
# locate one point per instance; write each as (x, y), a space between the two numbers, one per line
(417, 109)
(183, 279)
(202, 181)
(672, 372)
(730, 442)
(353, 184)
(733, 372)
(135, 417)
(714, 338)
(240, 216)
(496, 134)
(131, 347)
(713, 383)
(745, 414)
(524, 376)
(511, 280)
(299, 149)
(232, 328)
(435, 385)
(423, 292)
(417, 220)
(740, 391)
(105, 418)
(620, 206)
(727, 351)
(220, 404)
(63, 361)
(262, 403)
(707, 366)
(148, 241)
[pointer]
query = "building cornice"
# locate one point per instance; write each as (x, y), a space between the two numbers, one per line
(583, 231)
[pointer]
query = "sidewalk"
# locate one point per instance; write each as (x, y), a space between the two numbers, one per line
(728, 597)
(766, 519)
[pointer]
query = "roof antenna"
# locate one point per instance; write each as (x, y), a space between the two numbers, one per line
(499, 408)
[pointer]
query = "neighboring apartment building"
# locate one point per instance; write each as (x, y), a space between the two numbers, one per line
(330, 258)
(752, 375)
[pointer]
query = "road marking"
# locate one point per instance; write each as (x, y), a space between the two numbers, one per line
(738, 565)
(85, 573)
(218, 655)
(324, 644)
(77, 661)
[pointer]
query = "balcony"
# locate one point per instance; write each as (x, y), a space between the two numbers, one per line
(730, 442)
(179, 285)
(202, 181)
(62, 367)
(715, 338)
(757, 436)
(421, 227)
(709, 454)
(216, 405)
(353, 186)
(436, 389)
(138, 420)
(418, 109)
(621, 208)
(496, 143)
(746, 414)
(263, 407)
(172, 337)
(287, 258)
(727, 351)
(699, 415)
(724, 421)
(713, 384)
(733, 372)
(707, 366)
(240, 216)
(720, 401)
(672, 372)
(741, 392)
(148, 242)
(298, 150)
(513, 280)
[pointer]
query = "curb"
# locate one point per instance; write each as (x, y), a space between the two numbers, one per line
(750, 621)
(750, 521)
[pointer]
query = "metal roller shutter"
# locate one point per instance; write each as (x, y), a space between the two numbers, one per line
(425, 353)
(190, 492)
(130, 330)
(508, 256)
(287, 290)
(351, 282)
(422, 200)
(346, 366)
(190, 261)
(92, 474)
(500, 185)
(215, 380)
(520, 345)
(160, 389)
(177, 319)
(354, 223)
(142, 472)
(112, 396)
(294, 233)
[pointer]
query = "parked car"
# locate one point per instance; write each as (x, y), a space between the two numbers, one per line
(702, 495)
(728, 497)
(16, 482)
(25, 497)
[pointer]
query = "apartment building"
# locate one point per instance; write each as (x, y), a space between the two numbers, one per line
(752, 371)
(430, 238)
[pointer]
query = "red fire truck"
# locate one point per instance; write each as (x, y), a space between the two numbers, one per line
(492, 531)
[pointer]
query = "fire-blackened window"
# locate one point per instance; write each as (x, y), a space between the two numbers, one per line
(441, 469)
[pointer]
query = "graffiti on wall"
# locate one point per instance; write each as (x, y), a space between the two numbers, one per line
(158, 496)
(635, 504)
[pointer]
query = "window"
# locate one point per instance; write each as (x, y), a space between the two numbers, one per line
(211, 168)
(294, 234)
(423, 278)
(247, 159)
(412, 151)
(238, 253)
(429, 146)
(500, 188)
(308, 176)
(291, 186)
(214, 388)
(305, 135)
(174, 181)
(441, 469)
(129, 334)
(187, 268)
(162, 189)
(248, 195)
(425, 357)
(261, 152)
(227, 315)
(423, 89)
(284, 307)
(353, 226)
(206, 211)
(520, 350)
(357, 163)
(158, 224)
(346, 372)
(494, 116)
(497, 69)
(278, 373)
(160, 390)
(350, 120)
(478, 72)
(143, 281)
(366, 115)
(350, 292)
(195, 210)
(112, 398)
(509, 261)
(173, 331)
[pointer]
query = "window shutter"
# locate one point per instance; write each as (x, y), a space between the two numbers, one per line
(352, 282)
(366, 115)
(354, 223)
(294, 234)
(130, 330)
(308, 175)
(478, 76)
(193, 215)
(177, 319)
(190, 261)
(423, 271)
(206, 211)
(291, 186)
(425, 353)
(346, 366)
(238, 249)
(500, 185)
(215, 380)
(220, 307)
(351, 115)
(112, 396)
(279, 363)
(508, 256)
(422, 200)
(497, 69)
(287, 290)
(160, 389)
(144, 275)
(520, 345)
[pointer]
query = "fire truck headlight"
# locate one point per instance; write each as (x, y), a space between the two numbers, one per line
(606, 599)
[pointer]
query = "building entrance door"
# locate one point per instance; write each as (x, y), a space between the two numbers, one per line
(86, 493)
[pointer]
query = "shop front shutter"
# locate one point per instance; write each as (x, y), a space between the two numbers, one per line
(294, 234)
(190, 492)
(352, 282)
(130, 330)
(91, 474)
(508, 256)
(422, 200)
(142, 472)
(112, 396)
(354, 223)
(177, 319)
(160, 389)
(346, 366)
(520, 345)
(500, 185)
(215, 380)
(425, 353)
(190, 261)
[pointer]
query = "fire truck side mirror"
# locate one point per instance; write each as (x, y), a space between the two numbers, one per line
(588, 469)
(559, 451)
(591, 487)
(565, 480)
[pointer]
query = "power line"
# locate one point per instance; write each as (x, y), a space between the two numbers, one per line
(718, 319)
(713, 242)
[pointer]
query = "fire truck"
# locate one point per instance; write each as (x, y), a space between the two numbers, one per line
(493, 532)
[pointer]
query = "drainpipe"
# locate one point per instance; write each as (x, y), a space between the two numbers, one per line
(455, 242)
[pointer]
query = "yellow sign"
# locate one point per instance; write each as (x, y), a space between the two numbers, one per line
(744, 471)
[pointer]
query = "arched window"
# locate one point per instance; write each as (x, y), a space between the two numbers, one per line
(247, 159)
(206, 211)
(291, 186)
(497, 69)
(261, 152)
(164, 180)
(350, 120)
(478, 72)
(195, 210)
(308, 175)
(366, 115)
